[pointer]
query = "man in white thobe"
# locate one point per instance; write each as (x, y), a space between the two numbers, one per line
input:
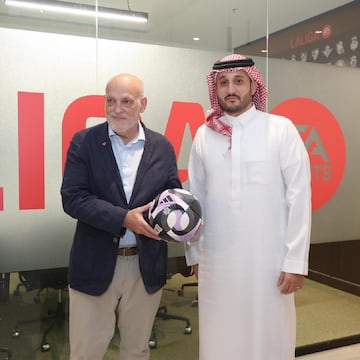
(250, 171)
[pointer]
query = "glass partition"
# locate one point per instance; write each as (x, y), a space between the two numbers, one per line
(54, 67)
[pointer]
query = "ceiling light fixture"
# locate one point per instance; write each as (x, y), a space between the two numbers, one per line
(81, 9)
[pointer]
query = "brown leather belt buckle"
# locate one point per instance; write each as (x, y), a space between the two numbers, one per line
(130, 251)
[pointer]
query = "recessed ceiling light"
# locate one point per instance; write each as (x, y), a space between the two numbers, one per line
(196, 38)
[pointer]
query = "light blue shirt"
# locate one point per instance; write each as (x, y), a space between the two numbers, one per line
(128, 157)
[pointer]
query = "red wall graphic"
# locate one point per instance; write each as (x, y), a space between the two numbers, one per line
(324, 141)
(318, 128)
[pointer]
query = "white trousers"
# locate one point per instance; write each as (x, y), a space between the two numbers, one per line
(125, 303)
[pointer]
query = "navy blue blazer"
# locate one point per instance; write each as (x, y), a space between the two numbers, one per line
(92, 192)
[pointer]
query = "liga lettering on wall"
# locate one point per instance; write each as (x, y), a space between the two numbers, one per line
(31, 138)
(318, 128)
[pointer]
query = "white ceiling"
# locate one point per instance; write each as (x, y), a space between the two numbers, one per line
(220, 24)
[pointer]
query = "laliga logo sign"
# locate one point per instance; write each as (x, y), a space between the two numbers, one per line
(318, 128)
(31, 139)
(324, 141)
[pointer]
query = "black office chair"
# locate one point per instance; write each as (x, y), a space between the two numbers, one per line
(7, 352)
(181, 291)
(4, 299)
(43, 280)
(175, 265)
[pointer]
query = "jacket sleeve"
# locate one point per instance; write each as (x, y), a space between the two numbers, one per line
(82, 196)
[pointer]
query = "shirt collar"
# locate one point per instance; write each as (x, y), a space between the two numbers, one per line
(140, 136)
(243, 118)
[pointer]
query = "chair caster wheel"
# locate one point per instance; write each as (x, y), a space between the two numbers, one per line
(16, 333)
(188, 330)
(45, 347)
(152, 344)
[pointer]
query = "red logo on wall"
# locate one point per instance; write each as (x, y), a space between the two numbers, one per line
(324, 141)
(31, 138)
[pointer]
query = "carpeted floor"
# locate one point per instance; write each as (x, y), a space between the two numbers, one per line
(323, 314)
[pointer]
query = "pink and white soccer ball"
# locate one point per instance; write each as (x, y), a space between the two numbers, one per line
(175, 215)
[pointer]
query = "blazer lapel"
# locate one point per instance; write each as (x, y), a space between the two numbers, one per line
(109, 164)
(144, 163)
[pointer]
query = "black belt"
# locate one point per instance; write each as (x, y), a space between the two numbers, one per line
(129, 251)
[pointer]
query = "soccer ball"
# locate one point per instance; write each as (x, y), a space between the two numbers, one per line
(175, 215)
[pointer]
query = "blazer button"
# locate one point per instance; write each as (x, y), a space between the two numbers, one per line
(115, 240)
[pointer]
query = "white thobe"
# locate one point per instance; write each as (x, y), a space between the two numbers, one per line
(255, 196)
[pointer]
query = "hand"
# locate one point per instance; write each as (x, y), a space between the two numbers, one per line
(290, 283)
(135, 222)
(195, 269)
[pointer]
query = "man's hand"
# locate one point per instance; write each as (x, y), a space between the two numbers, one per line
(195, 269)
(289, 283)
(135, 222)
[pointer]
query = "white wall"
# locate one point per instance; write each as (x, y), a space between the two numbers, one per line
(65, 68)
(338, 90)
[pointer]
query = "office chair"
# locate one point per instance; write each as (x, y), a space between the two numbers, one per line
(8, 353)
(40, 280)
(175, 265)
(194, 303)
(4, 299)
